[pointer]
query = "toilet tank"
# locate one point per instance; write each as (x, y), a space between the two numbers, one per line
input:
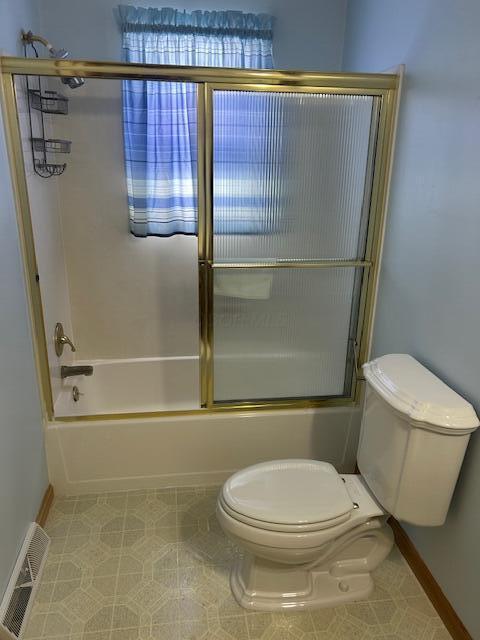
(413, 437)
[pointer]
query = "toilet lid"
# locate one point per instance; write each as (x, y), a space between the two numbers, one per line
(288, 492)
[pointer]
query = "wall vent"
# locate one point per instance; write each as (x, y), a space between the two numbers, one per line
(18, 598)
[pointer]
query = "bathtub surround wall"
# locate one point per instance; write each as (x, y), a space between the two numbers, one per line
(130, 297)
(428, 303)
(23, 473)
(47, 228)
(132, 386)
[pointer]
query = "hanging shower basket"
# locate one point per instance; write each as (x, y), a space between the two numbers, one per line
(48, 101)
(51, 145)
(48, 169)
(42, 147)
(44, 101)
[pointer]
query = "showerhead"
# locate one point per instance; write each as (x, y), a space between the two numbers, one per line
(73, 82)
(61, 54)
(57, 54)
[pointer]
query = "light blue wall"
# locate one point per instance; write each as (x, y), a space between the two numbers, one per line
(308, 33)
(23, 474)
(429, 298)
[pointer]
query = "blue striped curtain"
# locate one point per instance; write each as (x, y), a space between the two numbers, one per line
(160, 118)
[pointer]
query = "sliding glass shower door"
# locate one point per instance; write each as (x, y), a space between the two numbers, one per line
(288, 173)
(291, 179)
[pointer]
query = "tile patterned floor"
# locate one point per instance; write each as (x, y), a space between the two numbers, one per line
(154, 565)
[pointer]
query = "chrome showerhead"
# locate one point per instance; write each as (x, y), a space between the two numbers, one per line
(57, 54)
(61, 54)
(74, 82)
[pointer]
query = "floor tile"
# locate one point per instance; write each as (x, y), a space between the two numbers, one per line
(154, 565)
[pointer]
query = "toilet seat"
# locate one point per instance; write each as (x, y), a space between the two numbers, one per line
(295, 541)
(283, 528)
(263, 534)
(289, 496)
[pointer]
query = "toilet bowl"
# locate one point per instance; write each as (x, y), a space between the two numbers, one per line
(301, 552)
(310, 537)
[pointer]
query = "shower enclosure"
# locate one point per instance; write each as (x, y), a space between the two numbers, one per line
(270, 305)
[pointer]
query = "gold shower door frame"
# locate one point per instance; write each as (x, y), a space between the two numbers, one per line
(382, 87)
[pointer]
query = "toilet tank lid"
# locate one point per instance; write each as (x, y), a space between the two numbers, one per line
(416, 392)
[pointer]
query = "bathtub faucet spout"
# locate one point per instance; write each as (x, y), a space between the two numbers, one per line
(67, 372)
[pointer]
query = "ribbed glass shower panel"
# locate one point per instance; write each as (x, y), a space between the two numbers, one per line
(282, 333)
(290, 175)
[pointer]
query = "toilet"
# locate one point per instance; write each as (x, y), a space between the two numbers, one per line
(311, 537)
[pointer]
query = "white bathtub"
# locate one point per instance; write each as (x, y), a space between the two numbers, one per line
(202, 449)
(91, 455)
(131, 386)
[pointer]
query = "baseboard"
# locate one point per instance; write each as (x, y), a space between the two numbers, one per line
(431, 587)
(45, 506)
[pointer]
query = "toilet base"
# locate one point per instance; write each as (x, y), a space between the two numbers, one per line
(263, 585)
(320, 590)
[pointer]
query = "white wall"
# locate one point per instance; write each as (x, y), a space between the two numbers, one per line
(23, 475)
(130, 297)
(429, 302)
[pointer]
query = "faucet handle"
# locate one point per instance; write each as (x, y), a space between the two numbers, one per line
(61, 340)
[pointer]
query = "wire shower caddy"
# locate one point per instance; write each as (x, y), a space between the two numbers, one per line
(45, 102)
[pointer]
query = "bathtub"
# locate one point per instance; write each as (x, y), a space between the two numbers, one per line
(94, 454)
(131, 386)
(89, 456)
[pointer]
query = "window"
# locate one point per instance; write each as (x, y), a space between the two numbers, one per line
(160, 118)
